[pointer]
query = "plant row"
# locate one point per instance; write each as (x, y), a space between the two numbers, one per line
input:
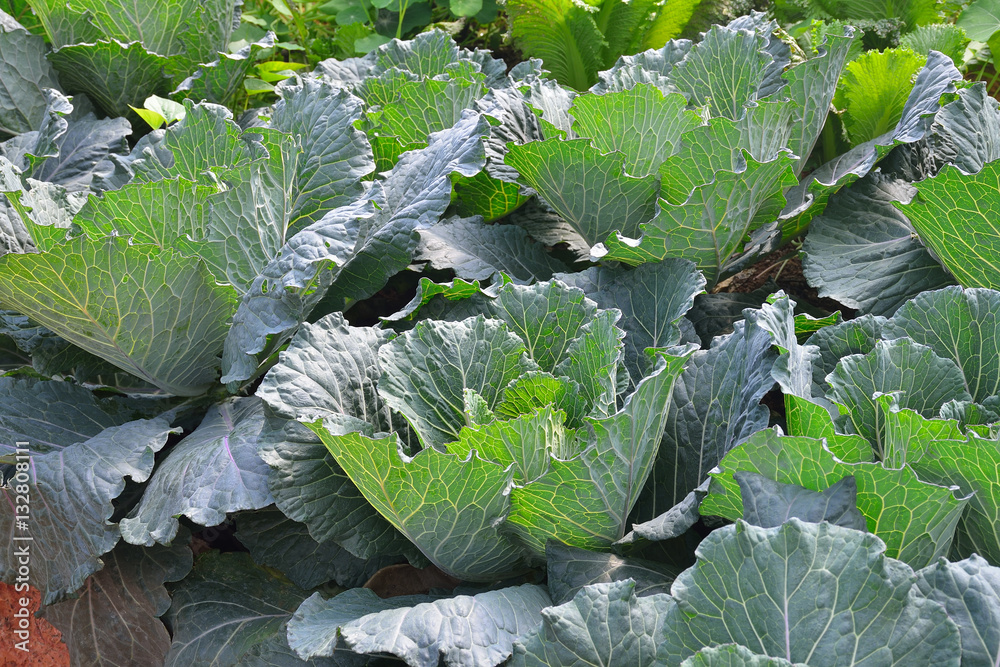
(565, 421)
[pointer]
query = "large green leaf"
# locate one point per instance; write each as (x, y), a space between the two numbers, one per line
(926, 381)
(227, 610)
(170, 213)
(604, 624)
(71, 488)
(364, 246)
(239, 229)
(114, 621)
(528, 442)
(640, 123)
(403, 112)
(970, 593)
(426, 371)
(873, 90)
(586, 501)
(450, 508)
(767, 503)
(465, 630)
(972, 465)
(332, 155)
(715, 406)
(958, 324)
(763, 131)
(915, 519)
(723, 71)
(563, 34)
(869, 261)
(116, 75)
(588, 188)
(213, 471)
(476, 251)
(206, 139)
(24, 73)
(788, 592)
(50, 415)
(952, 212)
(981, 19)
(857, 336)
(811, 85)
(709, 227)
(652, 297)
(82, 150)
(123, 303)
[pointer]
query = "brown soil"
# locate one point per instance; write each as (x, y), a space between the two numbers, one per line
(404, 579)
(784, 267)
(45, 645)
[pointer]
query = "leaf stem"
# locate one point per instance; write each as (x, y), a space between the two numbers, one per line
(402, 15)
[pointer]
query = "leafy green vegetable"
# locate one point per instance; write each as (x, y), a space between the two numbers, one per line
(121, 55)
(715, 406)
(951, 214)
(602, 624)
(948, 38)
(925, 380)
(116, 618)
(873, 263)
(410, 627)
(73, 485)
(228, 609)
(520, 410)
(576, 41)
(759, 586)
(52, 287)
(874, 90)
(226, 475)
(25, 73)
(767, 503)
(970, 593)
(888, 498)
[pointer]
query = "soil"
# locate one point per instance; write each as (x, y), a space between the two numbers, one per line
(404, 579)
(45, 647)
(784, 267)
